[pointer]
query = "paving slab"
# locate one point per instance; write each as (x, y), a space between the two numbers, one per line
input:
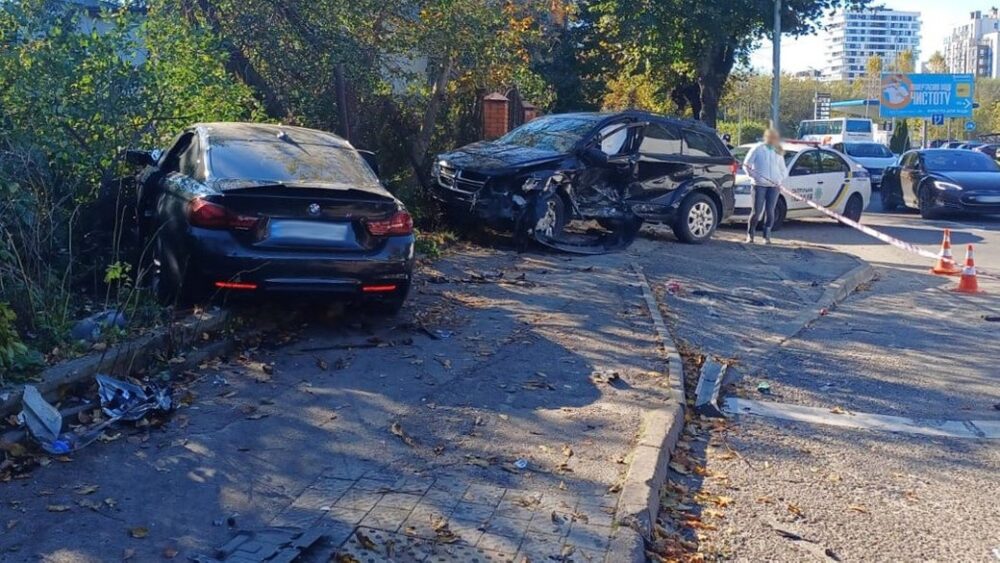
(484, 415)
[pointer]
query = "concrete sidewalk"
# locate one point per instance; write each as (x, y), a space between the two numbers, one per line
(493, 419)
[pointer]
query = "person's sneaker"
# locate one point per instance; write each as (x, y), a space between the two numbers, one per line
(767, 240)
(749, 239)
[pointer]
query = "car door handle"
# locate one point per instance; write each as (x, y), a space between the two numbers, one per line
(820, 182)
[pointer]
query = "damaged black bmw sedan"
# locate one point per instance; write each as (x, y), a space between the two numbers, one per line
(552, 179)
(259, 208)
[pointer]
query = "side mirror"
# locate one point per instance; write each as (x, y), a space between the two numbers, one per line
(371, 159)
(140, 158)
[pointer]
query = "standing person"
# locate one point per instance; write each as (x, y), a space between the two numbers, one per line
(765, 164)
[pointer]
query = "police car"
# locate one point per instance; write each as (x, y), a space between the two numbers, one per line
(822, 174)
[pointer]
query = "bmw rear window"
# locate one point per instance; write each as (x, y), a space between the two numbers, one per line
(288, 161)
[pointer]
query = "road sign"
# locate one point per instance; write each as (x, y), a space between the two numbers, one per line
(937, 119)
(926, 95)
(821, 105)
(970, 125)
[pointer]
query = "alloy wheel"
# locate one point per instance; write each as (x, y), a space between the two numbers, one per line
(701, 219)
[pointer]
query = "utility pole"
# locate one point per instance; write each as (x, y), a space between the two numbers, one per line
(776, 79)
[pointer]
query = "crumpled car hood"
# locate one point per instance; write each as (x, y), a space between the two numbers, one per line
(493, 157)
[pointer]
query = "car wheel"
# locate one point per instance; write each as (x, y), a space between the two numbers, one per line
(390, 306)
(889, 203)
(853, 209)
(169, 287)
(926, 204)
(697, 219)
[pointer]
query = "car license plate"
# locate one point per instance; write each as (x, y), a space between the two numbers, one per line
(307, 233)
(988, 199)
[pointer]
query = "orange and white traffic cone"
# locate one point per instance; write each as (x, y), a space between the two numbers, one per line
(968, 283)
(946, 265)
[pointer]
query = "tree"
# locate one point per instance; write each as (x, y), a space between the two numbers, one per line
(904, 61)
(697, 41)
(936, 64)
(900, 141)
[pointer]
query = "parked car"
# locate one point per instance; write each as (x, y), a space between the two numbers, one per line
(258, 208)
(938, 180)
(875, 157)
(989, 149)
(821, 174)
(951, 144)
(971, 145)
(548, 177)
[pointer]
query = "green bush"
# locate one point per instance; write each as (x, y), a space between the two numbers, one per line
(72, 99)
(742, 133)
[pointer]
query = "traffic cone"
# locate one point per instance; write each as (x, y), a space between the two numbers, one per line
(946, 265)
(968, 283)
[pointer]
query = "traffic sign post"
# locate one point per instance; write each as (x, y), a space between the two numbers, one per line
(927, 96)
(970, 125)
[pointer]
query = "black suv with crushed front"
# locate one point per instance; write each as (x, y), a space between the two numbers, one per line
(551, 179)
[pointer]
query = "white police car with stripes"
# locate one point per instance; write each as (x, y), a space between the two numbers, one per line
(826, 176)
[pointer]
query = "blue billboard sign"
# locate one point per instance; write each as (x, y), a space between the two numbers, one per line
(926, 95)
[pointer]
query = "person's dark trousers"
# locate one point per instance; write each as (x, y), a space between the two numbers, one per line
(765, 200)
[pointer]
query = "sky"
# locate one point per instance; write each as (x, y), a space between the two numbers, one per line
(937, 18)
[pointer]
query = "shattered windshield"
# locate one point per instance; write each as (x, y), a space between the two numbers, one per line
(288, 161)
(554, 133)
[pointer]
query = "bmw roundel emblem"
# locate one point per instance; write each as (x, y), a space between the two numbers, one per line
(314, 209)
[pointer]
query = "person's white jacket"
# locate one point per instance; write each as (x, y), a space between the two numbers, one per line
(765, 166)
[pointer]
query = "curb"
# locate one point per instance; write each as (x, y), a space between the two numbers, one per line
(639, 502)
(837, 291)
(125, 357)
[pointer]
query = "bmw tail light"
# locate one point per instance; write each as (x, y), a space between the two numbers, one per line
(208, 215)
(400, 223)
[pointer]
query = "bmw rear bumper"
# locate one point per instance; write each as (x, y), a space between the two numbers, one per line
(219, 259)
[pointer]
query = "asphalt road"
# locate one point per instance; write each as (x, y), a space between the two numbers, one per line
(766, 488)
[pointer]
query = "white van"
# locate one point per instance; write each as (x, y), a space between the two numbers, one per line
(837, 130)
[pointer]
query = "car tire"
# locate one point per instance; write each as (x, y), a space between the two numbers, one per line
(171, 289)
(390, 306)
(853, 209)
(926, 205)
(696, 219)
(889, 204)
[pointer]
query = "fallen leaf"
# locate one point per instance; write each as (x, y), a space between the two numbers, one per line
(85, 489)
(169, 553)
(10, 524)
(858, 508)
(106, 437)
(838, 410)
(567, 451)
(365, 541)
(57, 508)
(397, 429)
(723, 502)
(87, 503)
(138, 532)
(833, 477)
(679, 468)
(794, 509)
(128, 554)
(322, 364)
(711, 513)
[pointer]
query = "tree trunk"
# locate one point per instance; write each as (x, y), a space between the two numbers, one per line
(711, 92)
(712, 74)
(427, 125)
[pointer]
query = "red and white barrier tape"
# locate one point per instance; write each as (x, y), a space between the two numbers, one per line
(900, 244)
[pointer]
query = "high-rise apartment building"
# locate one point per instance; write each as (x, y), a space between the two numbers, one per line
(853, 36)
(972, 48)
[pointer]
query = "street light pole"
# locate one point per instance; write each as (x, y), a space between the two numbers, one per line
(776, 79)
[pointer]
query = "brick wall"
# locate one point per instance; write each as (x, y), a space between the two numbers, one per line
(495, 116)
